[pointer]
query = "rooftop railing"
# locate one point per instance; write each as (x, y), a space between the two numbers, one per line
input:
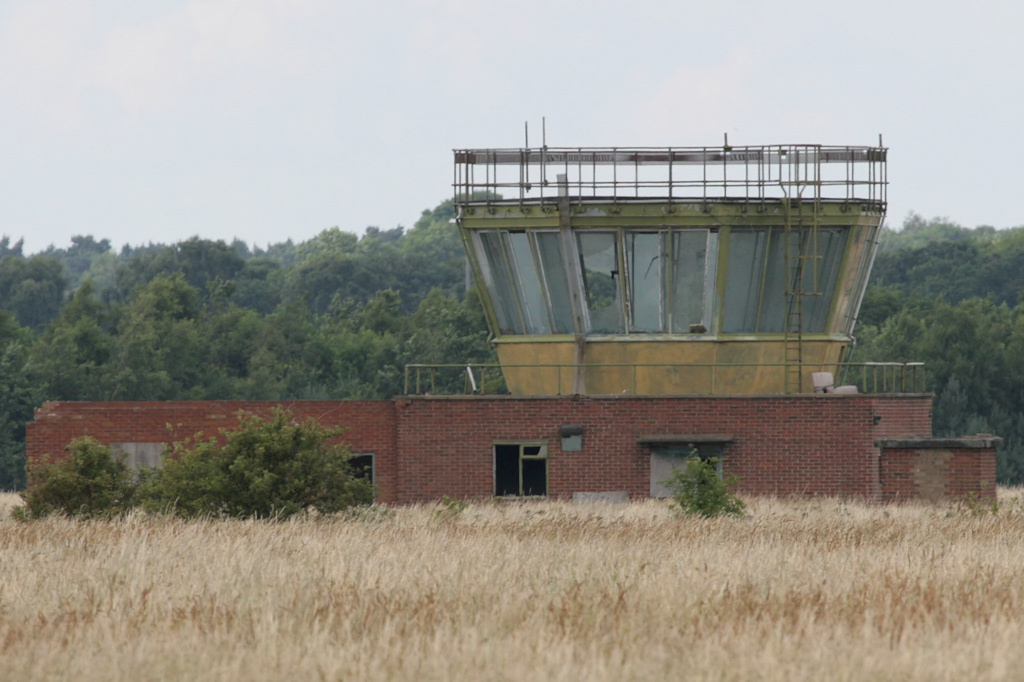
(488, 378)
(840, 174)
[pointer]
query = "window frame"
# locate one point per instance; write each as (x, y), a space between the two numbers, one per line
(543, 454)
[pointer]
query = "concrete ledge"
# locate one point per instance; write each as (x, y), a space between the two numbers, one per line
(981, 442)
(686, 438)
(609, 497)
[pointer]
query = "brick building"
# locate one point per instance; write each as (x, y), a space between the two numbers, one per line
(419, 448)
(644, 304)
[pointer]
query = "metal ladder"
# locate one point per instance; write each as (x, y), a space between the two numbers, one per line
(800, 242)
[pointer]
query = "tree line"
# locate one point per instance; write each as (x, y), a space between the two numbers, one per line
(950, 296)
(338, 316)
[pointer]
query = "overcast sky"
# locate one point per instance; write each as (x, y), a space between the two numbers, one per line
(265, 120)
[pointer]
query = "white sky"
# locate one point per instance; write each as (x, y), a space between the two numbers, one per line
(268, 119)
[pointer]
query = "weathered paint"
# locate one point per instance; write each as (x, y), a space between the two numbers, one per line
(668, 366)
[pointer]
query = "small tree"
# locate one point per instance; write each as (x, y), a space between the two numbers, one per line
(697, 489)
(265, 468)
(89, 482)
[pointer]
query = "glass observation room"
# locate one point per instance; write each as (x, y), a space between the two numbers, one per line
(717, 270)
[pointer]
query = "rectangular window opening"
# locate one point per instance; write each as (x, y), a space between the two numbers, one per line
(667, 457)
(138, 456)
(520, 470)
(362, 466)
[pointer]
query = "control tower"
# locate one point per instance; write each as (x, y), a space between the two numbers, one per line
(705, 270)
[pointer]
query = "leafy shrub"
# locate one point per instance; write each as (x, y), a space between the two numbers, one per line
(697, 490)
(450, 507)
(89, 482)
(265, 468)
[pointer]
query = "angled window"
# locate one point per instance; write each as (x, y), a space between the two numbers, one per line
(525, 278)
(644, 256)
(671, 279)
(831, 248)
(556, 281)
(497, 276)
(599, 260)
(756, 291)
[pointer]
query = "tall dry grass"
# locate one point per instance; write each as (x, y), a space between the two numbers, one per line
(806, 590)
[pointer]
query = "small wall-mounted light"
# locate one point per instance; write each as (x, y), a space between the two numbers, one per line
(876, 419)
(572, 437)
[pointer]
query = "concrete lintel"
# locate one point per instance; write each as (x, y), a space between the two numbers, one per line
(686, 438)
(980, 442)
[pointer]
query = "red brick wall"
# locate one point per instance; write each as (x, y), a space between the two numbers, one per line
(943, 469)
(427, 447)
(903, 417)
(370, 424)
(792, 445)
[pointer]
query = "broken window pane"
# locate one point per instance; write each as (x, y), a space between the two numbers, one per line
(599, 259)
(643, 253)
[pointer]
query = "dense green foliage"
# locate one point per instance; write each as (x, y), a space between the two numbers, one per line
(333, 317)
(272, 468)
(697, 490)
(949, 296)
(89, 483)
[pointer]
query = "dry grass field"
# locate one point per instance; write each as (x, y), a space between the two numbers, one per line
(798, 590)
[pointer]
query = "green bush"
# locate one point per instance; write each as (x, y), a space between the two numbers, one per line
(697, 490)
(272, 468)
(450, 507)
(89, 482)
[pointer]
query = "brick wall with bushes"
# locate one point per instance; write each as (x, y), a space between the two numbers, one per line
(370, 425)
(426, 447)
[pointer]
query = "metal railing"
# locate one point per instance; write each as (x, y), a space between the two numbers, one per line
(842, 174)
(488, 378)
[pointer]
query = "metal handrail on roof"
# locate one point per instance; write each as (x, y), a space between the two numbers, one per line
(841, 174)
(487, 378)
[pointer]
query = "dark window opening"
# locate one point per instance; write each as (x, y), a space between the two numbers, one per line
(520, 470)
(361, 466)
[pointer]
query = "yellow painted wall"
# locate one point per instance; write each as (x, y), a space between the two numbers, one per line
(665, 367)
